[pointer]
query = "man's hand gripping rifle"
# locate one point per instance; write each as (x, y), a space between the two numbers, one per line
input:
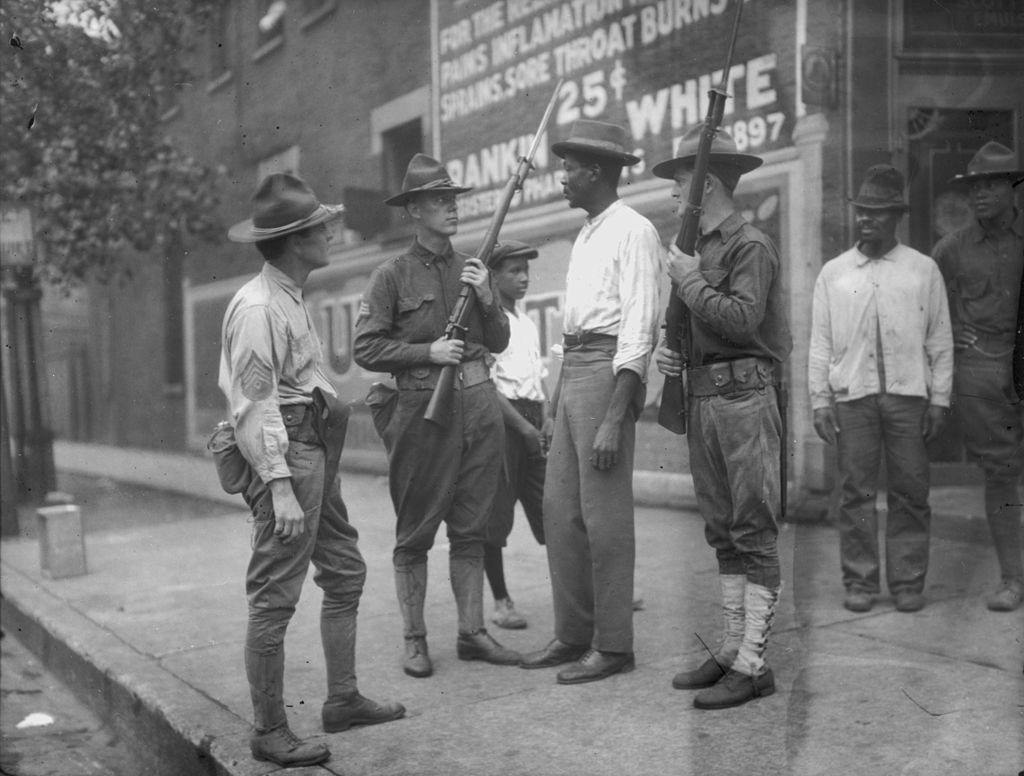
(439, 409)
(673, 409)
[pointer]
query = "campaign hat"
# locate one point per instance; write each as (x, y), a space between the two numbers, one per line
(512, 249)
(597, 138)
(282, 204)
(993, 160)
(723, 152)
(424, 174)
(882, 189)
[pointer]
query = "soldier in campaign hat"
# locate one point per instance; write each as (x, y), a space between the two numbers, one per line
(438, 473)
(610, 323)
(738, 339)
(289, 428)
(983, 265)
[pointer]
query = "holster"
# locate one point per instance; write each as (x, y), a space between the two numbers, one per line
(330, 420)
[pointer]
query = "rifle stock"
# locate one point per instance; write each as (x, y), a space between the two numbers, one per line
(439, 409)
(673, 409)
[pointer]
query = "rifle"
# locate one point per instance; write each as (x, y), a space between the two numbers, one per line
(439, 409)
(673, 409)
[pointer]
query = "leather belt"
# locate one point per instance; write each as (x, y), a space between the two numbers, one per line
(741, 374)
(424, 378)
(581, 340)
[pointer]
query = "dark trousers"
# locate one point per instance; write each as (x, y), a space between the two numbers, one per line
(444, 473)
(991, 417)
(523, 481)
(734, 443)
(588, 514)
(867, 426)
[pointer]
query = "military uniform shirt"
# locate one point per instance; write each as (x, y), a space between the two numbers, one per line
(736, 304)
(983, 272)
(406, 306)
(270, 356)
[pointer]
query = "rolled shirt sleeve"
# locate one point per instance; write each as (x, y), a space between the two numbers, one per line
(640, 270)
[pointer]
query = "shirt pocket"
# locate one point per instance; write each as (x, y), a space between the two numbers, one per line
(301, 348)
(409, 304)
(415, 317)
(973, 289)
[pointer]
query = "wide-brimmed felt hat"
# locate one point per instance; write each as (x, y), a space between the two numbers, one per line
(282, 204)
(512, 249)
(993, 160)
(723, 151)
(882, 189)
(597, 138)
(424, 174)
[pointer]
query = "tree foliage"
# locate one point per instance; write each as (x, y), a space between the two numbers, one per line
(84, 86)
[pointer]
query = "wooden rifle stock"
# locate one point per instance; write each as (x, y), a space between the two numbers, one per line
(673, 409)
(439, 409)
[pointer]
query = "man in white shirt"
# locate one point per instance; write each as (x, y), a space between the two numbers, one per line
(880, 374)
(518, 374)
(610, 323)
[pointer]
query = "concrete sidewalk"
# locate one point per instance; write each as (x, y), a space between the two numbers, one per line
(152, 636)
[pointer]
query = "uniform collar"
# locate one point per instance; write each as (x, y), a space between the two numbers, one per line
(728, 226)
(279, 278)
(427, 256)
(1015, 225)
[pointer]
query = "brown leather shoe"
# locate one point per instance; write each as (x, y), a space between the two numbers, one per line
(342, 713)
(735, 689)
(709, 672)
(482, 646)
(596, 665)
(554, 654)
(283, 747)
(417, 659)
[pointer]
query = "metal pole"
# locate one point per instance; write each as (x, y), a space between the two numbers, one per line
(35, 471)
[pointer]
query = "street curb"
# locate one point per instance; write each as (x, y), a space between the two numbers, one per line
(174, 729)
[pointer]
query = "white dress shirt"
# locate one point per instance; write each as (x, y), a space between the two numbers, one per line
(612, 285)
(899, 299)
(518, 371)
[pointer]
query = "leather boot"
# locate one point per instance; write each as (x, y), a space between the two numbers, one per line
(340, 714)
(283, 747)
(474, 642)
(266, 688)
(411, 586)
(273, 740)
(338, 636)
(467, 576)
(732, 587)
(345, 707)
